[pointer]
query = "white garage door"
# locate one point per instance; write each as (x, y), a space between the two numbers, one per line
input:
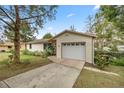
(73, 50)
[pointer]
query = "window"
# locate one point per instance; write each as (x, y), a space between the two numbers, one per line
(72, 44)
(77, 43)
(82, 43)
(30, 46)
(68, 44)
(9, 47)
(64, 44)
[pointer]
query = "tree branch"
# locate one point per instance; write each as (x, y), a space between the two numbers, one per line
(33, 17)
(7, 23)
(7, 15)
(29, 17)
(31, 22)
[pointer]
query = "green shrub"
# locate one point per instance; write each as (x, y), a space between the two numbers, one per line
(118, 61)
(117, 54)
(12, 51)
(33, 53)
(102, 59)
(25, 52)
(37, 53)
(49, 50)
(44, 54)
(114, 58)
(111, 53)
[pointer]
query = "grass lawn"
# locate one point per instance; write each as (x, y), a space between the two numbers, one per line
(3, 56)
(28, 63)
(91, 79)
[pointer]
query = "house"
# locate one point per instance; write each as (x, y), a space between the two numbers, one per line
(37, 45)
(7, 46)
(120, 48)
(74, 45)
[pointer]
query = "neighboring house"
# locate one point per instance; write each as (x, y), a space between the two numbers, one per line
(74, 45)
(37, 45)
(7, 45)
(120, 48)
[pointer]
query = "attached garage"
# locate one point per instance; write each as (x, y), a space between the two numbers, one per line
(73, 50)
(75, 46)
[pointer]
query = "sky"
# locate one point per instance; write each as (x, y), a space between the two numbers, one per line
(69, 15)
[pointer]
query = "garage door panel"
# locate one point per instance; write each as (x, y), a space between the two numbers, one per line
(73, 52)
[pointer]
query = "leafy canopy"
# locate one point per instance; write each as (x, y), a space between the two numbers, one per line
(47, 36)
(31, 17)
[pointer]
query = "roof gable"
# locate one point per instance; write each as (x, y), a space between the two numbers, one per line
(77, 33)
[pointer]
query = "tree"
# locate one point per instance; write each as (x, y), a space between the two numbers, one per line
(104, 33)
(26, 34)
(107, 28)
(47, 36)
(35, 16)
(72, 28)
(1, 38)
(115, 15)
(90, 23)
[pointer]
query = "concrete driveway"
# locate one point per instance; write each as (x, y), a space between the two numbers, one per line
(78, 64)
(50, 76)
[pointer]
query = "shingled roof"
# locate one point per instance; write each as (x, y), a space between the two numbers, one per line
(38, 41)
(75, 32)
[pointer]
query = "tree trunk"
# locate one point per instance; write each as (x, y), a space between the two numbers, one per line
(17, 37)
(25, 46)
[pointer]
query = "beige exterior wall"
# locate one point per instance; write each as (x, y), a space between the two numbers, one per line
(35, 47)
(22, 46)
(6, 44)
(3, 48)
(69, 37)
